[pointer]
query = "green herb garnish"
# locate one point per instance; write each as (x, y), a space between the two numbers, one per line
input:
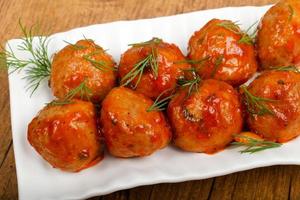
(291, 10)
(217, 64)
(138, 69)
(160, 103)
(231, 26)
(149, 42)
(286, 68)
(192, 84)
(98, 64)
(255, 145)
(38, 67)
(247, 37)
(149, 61)
(256, 105)
(82, 89)
(90, 40)
(75, 46)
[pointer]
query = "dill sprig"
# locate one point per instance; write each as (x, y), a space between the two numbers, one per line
(153, 63)
(138, 69)
(82, 89)
(291, 10)
(231, 26)
(160, 103)
(149, 42)
(98, 64)
(88, 39)
(12, 62)
(75, 46)
(192, 84)
(255, 145)
(286, 68)
(246, 36)
(149, 61)
(217, 64)
(256, 105)
(38, 67)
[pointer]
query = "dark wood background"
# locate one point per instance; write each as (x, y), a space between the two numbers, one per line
(277, 182)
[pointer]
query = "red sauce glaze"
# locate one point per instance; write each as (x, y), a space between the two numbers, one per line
(169, 68)
(129, 130)
(283, 87)
(70, 68)
(74, 80)
(206, 120)
(226, 58)
(278, 35)
(66, 136)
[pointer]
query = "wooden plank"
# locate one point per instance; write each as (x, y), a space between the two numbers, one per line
(265, 183)
(8, 184)
(184, 191)
(294, 186)
(120, 195)
(143, 192)
(223, 187)
(262, 183)
(5, 131)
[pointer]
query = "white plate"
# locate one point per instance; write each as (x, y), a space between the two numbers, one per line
(38, 180)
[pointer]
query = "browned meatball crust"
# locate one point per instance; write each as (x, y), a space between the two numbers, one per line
(278, 38)
(66, 136)
(276, 116)
(206, 120)
(226, 52)
(83, 62)
(129, 130)
(170, 67)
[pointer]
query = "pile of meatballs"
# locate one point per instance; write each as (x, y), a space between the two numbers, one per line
(209, 104)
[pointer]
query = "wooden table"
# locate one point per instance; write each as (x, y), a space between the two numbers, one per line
(277, 182)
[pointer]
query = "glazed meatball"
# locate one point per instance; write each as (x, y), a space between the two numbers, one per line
(278, 38)
(272, 102)
(225, 52)
(206, 119)
(128, 128)
(83, 62)
(152, 67)
(66, 136)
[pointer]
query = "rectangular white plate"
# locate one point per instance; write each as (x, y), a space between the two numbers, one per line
(38, 180)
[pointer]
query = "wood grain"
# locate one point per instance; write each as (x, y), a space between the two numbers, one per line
(277, 182)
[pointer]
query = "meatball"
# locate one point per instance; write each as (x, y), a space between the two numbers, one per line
(83, 62)
(272, 102)
(128, 128)
(152, 67)
(278, 38)
(220, 50)
(66, 135)
(206, 119)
